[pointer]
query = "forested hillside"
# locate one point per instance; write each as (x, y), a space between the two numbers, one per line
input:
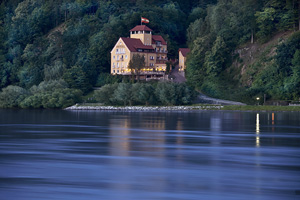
(60, 49)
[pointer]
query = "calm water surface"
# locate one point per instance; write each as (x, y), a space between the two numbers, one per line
(87, 155)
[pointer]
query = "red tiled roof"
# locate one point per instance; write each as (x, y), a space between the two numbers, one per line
(158, 38)
(141, 28)
(184, 51)
(134, 44)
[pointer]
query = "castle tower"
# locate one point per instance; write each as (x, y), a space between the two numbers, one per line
(142, 32)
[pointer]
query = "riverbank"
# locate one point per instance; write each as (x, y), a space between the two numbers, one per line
(143, 108)
(96, 106)
(261, 108)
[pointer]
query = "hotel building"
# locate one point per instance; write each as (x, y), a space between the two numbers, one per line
(143, 42)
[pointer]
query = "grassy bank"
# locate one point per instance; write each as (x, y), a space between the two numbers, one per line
(261, 108)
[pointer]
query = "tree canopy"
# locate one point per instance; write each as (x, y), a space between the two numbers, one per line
(71, 40)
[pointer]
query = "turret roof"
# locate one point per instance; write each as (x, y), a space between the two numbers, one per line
(141, 28)
(184, 51)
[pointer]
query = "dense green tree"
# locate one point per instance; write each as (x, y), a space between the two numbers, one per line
(136, 64)
(54, 72)
(77, 78)
(215, 60)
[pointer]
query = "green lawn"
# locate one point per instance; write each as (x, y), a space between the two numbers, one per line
(262, 108)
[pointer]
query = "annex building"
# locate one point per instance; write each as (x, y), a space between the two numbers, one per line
(143, 42)
(182, 52)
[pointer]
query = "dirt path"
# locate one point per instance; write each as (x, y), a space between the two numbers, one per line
(205, 99)
(178, 77)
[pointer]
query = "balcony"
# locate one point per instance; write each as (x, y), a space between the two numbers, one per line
(161, 61)
(120, 52)
(159, 58)
(161, 51)
(146, 73)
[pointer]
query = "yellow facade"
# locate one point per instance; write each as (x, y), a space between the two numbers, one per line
(144, 36)
(181, 63)
(120, 57)
(182, 58)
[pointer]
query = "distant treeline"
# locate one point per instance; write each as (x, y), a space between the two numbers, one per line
(56, 94)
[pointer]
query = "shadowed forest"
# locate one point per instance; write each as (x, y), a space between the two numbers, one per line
(52, 53)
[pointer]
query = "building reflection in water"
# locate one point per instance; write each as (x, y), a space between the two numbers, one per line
(119, 152)
(257, 131)
(120, 144)
(215, 128)
(156, 140)
(179, 140)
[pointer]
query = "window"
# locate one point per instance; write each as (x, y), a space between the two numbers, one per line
(125, 56)
(117, 50)
(117, 57)
(114, 65)
(117, 71)
(114, 71)
(114, 57)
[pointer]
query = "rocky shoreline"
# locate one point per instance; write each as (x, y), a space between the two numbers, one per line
(145, 108)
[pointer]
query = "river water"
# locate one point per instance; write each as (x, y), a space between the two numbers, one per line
(87, 155)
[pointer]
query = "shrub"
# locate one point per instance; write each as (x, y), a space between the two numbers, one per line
(12, 96)
(123, 94)
(163, 93)
(59, 98)
(105, 94)
(143, 94)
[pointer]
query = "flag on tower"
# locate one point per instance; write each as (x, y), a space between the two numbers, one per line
(144, 20)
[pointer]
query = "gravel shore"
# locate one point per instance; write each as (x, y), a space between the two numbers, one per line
(144, 108)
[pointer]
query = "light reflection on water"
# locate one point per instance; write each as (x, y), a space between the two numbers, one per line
(149, 155)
